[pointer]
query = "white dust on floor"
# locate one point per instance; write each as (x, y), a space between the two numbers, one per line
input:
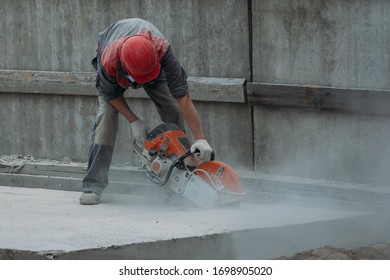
(40, 219)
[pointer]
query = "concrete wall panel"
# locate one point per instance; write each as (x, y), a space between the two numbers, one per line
(45, 126)
(322, 145)
(330, 43)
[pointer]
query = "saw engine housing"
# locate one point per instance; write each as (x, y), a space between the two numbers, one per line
(167, 158)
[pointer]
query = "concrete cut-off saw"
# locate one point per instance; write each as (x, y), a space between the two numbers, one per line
(169, 163)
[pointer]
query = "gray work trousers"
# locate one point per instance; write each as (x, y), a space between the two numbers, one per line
(105, 129)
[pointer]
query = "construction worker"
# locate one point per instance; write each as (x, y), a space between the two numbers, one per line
(132, 53)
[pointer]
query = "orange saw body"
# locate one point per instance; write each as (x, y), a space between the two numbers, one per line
(168, 161)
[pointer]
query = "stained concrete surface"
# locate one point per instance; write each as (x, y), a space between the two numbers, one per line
(52, 224)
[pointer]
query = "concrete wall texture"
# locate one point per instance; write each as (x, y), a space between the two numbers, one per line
(328, 43)
(333, 43)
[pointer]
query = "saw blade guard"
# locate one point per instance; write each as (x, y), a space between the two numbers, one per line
(223, 179)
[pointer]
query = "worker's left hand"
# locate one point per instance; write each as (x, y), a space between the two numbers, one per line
(139, 129)
(204, 149)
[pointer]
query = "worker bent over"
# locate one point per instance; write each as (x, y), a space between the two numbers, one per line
(132, 53)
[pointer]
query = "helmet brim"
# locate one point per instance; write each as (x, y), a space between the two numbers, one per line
(148, 77)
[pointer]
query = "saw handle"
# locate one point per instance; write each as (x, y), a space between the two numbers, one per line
(198, 152)
(176, 163)
(173, 165)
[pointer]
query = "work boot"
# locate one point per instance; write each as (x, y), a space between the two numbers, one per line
(89, 198)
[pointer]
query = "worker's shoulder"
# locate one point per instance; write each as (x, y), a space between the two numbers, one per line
(132, 21)
(130, 26)
(135, 22)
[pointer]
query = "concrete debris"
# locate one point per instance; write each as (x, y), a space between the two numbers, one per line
(379, 251)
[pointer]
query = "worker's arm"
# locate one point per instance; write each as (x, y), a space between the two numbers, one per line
(121, 106)
(191, 116)
(139, 129)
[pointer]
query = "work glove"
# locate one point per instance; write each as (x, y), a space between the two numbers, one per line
(204, 149)
(139, 129)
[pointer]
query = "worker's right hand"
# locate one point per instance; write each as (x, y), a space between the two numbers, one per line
(204, 149)
(139, 129)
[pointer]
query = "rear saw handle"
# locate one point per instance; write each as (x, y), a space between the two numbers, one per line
(175, 164)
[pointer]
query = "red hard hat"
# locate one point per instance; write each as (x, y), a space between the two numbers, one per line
(139, 58)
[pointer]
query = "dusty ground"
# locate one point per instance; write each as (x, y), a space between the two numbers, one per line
(379, 251)
(10, 160)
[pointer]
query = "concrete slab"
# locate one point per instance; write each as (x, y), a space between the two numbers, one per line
(52, 222)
